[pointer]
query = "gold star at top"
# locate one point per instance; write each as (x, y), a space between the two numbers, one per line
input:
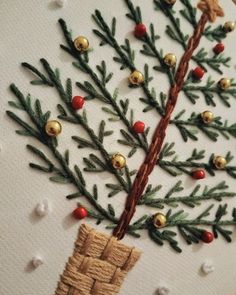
(211, 8)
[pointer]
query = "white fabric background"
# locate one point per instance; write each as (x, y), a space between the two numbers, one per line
(29, 31)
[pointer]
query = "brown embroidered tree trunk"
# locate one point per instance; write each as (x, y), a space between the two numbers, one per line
(159, 135)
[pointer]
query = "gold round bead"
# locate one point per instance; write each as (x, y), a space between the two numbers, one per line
(118, 161)
(207, 117)
(159, 220)
(81, 43)
(170, 2)
(136, 78)
(219, 162)
(53, 128)
(229, 27)
(170, 60)
(224, 83)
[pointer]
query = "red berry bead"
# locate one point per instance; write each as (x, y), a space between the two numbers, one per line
(139, 127)
(219, 48)
(77, 102)
(140, 30)
(80, 213)
(198, 73)
(198, 174)
(207, 237)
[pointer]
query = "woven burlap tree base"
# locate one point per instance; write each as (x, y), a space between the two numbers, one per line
(98, 266)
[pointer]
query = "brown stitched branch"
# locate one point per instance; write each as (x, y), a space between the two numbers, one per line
(159, 134)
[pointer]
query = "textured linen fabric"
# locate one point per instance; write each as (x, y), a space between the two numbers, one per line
(30, 31)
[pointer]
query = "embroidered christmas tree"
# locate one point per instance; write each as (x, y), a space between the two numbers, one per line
(170, 219)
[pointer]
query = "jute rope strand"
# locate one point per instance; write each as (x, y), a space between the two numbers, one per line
(159, 135)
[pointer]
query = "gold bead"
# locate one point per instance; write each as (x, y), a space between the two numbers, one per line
(170, 2)
(170, 60)
(81, 43)
(219, 162)
(136, 78)
(53, 128)
(118, 161)
(224, 83)
(207, 117)
(229, 27)
(159, 220)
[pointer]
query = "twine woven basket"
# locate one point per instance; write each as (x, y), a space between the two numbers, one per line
(98, 266)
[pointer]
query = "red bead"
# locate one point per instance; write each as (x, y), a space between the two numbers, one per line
(80, 213)
(219, 48)
(207, 237)
(140, 30)
(198, 73)
(139, 127)
(198, 174)
(77, 102)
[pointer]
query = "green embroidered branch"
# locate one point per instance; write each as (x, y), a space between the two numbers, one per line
(63, 174)
(213, 62)
(126, 57)
(209, 90)
(211, 130)
(149, 40)
(176, 167)
(188, 228)
(190, 127)
(216, 193)
(93, 163)
(152, 102)
(175, 32)
(117, 111)
(190, 14)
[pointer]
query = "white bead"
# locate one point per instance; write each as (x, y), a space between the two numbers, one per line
(60, 3)
(36, 261)
(42, 208)
(208, 267)
(163, 290)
